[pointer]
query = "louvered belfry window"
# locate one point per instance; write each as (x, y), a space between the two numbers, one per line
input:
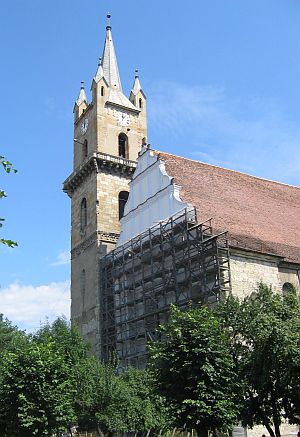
(83, 214)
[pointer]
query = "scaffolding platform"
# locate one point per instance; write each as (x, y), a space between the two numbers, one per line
(177, 261)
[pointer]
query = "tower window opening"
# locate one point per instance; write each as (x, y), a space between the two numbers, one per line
(82, 286)
(140, 103)
(102, 91)
(84, 149)
(83, 214)
(123, 197)
(123, 146)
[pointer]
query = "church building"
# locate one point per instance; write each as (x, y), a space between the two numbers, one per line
(150, 228)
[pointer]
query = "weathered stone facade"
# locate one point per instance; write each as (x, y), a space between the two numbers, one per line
(248, 269)
(102, 170)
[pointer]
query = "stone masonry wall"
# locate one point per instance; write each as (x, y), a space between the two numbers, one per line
(249, 269)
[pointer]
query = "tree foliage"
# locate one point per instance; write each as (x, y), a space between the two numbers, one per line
(36, 392)
(49, 382)
(265, 337)
(8, 167)
(110, 403)
(38, 383)
(10, 337)
(195, 370)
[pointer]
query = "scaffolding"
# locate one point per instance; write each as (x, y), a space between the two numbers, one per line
(177, 261)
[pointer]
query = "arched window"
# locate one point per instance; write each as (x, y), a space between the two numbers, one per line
(102, 91)
(83, 214)
(82, 286)
(123, 197)
(140, 103)
(123, 146)
(84, 149)
(287, 287)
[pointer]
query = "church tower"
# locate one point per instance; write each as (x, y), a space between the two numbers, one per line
(108, 134)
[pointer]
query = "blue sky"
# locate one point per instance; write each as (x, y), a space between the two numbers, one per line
(222, 82)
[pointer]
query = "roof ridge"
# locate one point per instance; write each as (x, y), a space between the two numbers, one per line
(228, 169)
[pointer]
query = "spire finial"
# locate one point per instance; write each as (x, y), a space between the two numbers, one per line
(108, 22)
(136, 73)
(82, 85)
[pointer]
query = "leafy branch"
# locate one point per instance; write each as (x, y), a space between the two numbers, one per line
(8, 168)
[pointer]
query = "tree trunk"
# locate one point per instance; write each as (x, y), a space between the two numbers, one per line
(173, 432)
(276, 416)
(277, 428)
(99, 432)
(270, 430)
(276, 421)
(202, 431)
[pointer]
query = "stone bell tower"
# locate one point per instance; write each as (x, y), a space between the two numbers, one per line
(108, 133)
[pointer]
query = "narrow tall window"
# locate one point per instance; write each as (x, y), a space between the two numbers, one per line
(123, 146)
(102, 91)
(82, 286)
(84, 149)
(140, 103)
(83, 214)
(123, 197)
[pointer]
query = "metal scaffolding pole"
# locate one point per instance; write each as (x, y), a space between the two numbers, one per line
(177, 261)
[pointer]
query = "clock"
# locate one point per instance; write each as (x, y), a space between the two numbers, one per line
(84, 126)
(122, 118)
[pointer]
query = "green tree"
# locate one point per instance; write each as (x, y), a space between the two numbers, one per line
(195, 371)
(10, 336)
(37, 391)
(66, 339)
(149, 408)
(8, 167)
(109, 402)
(38, 380)
(265, 339)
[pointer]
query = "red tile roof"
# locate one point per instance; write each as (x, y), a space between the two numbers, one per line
(259, 215)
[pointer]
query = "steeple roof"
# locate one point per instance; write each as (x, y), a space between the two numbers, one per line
(99, 74)
(108, 69)
(82, 96)
(109, 60)
(136, 85)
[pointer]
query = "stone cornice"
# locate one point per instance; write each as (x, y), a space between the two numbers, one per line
(96, 162)
(122, 107)
(108, 237)
(97, 236)
(84, 245)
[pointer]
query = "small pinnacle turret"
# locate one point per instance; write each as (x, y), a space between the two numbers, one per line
(136, 85)
(137, 96)
(99, 74)
(82, 96)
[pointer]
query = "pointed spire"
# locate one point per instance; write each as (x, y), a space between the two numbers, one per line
(109, 60)
(136, 85)
(82, 96)
(99, 74)
(108, 21)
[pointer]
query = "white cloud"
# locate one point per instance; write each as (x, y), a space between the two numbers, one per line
(28, 306)
(63, 258)
(255, 135)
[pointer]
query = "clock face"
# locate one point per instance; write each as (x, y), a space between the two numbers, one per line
(122, 118)
(84, 126)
